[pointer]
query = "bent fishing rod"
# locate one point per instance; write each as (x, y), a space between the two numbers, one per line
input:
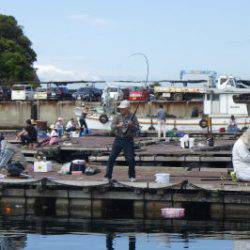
(146, 85)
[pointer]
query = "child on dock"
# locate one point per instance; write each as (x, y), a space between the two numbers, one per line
(52, 139)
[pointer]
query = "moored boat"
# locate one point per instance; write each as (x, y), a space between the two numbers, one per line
(219, 103)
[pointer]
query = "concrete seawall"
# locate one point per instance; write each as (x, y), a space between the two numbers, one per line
(13, 114)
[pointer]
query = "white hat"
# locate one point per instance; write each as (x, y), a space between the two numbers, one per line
(124, 104)
(52, 126)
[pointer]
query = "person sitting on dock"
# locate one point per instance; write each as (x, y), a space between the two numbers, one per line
(71, 125)
(11, 158)
(52, 139)
(241, 157)
(29, 134)
(161, 117)
(232, 126)
(59, 126)
(125, 127)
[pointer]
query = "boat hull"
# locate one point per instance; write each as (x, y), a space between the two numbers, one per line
(191, 124)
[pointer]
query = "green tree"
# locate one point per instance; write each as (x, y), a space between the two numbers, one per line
(16, 54)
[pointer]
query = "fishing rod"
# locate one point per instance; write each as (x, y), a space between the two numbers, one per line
(146, 85)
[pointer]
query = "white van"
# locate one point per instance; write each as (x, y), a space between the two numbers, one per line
(22, 92)
(114, 93)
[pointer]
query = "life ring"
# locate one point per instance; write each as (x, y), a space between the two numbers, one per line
(103, 119)
(203, 123)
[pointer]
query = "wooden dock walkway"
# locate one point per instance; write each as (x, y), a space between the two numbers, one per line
(149, 151)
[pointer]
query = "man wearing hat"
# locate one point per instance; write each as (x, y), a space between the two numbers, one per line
(11, 158)
(125, 127)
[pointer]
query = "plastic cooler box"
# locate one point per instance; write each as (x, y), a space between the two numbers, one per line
(42, 166)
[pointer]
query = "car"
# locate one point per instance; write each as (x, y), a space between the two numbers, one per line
(88, 94)
(59, 93)
(112, 93)
(22, 92)
(40, 94)
(138, 94)
(5, 94)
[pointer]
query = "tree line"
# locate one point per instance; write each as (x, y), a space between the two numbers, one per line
(16, 53)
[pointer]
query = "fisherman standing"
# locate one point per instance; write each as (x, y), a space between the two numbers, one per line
(125, 127)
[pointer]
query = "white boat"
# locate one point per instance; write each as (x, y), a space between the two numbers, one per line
(218, 104)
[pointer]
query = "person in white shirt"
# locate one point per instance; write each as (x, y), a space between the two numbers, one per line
(241, 157)
(71, 125)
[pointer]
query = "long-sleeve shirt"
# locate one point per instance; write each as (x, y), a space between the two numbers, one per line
(125, 132)
(10, 153)
(241, 160)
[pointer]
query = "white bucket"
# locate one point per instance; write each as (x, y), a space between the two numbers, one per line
(191, 142)
(74, 134)
(187, 143)
(162, 178)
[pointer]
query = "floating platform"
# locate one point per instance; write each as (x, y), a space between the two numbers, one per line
(149, 151)
(89, 197)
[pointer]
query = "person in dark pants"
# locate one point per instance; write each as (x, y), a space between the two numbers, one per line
(83, 123)
(29, 134)
(125, 127)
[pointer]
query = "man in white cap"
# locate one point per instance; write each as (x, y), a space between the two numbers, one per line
(125, 127)
(241, 157)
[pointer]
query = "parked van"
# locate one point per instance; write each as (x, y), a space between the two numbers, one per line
(22, 92)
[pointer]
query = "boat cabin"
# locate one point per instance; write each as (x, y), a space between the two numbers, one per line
(220, 101)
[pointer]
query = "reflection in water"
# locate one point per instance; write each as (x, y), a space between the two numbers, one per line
(132, 242)
(125, 241)
(54, 233)
(12, 242)
(241, 245)
(110, 242)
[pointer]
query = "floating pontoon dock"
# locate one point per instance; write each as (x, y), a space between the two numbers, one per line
(210, 192)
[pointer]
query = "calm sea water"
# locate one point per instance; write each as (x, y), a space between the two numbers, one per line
(126, 241)
(127, 235)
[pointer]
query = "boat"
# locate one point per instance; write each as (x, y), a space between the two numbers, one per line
(218, 103)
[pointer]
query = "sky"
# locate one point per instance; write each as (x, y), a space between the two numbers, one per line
(91, 39)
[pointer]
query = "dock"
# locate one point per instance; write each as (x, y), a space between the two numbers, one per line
(205, 185)
(149, 151)
(211, 192)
